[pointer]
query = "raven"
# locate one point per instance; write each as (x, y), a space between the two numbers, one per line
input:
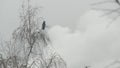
(43, 25)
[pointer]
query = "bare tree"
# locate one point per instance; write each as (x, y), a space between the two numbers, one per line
(30, 46)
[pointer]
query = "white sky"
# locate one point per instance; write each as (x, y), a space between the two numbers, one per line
(56, 12)
(90, 42)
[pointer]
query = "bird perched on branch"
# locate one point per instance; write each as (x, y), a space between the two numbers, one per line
(43, 25)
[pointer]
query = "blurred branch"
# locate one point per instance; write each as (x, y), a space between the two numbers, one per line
(111, 11)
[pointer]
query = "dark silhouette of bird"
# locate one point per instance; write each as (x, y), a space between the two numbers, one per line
(117, 1)
(43, 25)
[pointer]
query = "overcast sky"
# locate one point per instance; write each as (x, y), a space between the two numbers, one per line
(92, 41)
(55, 12)
(78, 33)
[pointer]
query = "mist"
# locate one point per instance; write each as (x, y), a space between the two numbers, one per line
(92, 42)
(80, 35)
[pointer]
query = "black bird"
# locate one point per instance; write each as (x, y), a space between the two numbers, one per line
(43, 25)
(117, 1)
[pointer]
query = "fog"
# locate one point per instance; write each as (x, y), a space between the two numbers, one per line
(92, 42)
(80, 35)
